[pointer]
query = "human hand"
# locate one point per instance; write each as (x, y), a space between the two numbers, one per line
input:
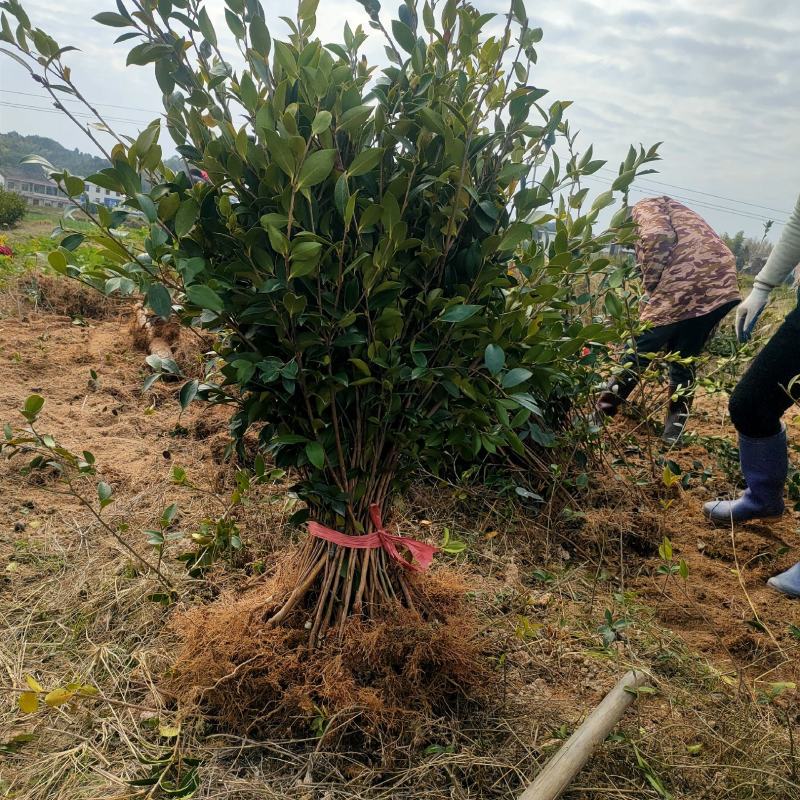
(748, 312)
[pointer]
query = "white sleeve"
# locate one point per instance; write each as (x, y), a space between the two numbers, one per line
(785, 256)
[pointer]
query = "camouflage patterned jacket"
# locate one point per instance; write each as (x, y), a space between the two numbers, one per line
(687, 270)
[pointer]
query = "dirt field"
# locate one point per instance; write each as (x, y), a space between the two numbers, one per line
(720, 645)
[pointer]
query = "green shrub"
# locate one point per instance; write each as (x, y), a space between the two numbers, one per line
(365, 246)
(12, 207)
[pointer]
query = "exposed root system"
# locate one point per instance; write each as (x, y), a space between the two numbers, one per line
(334, 583)
(385, 671)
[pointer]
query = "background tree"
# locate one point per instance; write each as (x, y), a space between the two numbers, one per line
(751, 253)
(12, 207)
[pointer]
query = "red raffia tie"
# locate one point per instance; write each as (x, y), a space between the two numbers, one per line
(421, 553)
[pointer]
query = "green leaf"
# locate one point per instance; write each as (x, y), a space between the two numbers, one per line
(280, 152)
(665, 549)
(494, 358)
(74, 186)
(300, 269)
(316, 168)
(186, 217)
(158, 298)
(624, 181)
(307, 9)
(206, 28)
(205, 297)
(316, 454)
(341, 194)
(259, 36)
(147, 207)
(111, 19)
(322, 122)
(515, 234)
(57, 260)
(405, 38)
(432, 120)
(515, 377)
(365, 161)
(73, 241)
(294, 304)
(603, 200)
(188, 393)
(235, 24)
(104, 492)
(33, 405)
(460, 313)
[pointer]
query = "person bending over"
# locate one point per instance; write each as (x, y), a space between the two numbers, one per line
(689, 275)
(760, 399)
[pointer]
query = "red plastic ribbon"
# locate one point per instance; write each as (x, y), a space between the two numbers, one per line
(421, 553)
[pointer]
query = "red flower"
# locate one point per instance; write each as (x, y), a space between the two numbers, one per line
(585, 352)
(5, 250)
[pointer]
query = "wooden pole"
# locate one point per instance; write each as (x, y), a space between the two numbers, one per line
(562, 768)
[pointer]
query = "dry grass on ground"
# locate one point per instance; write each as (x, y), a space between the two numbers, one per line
(74, 605)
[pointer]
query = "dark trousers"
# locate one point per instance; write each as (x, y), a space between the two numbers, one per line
(765, 391)
(687, 338)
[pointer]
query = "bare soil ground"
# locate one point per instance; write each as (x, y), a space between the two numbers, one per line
(75, 606)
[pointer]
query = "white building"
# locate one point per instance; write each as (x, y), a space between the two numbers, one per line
(41, 191)
(36, 191)
(102, 197)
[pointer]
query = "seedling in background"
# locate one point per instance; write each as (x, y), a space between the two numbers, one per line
(451, 545)
(526, 630)
(611, 629)
(215, 537)
(670, 566)
(49, 458)
(543, 576)
(171, 773)
(29, 700)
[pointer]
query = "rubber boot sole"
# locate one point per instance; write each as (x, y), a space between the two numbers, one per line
(719, 523)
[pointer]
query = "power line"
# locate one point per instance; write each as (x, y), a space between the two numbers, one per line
(73, 100)
(710, 194)
(74, 113)
(701, 204)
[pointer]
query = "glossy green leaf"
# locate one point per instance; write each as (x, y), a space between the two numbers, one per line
(158, 298)
(515, 377)
(494, 358)
(316, 454)
(316, 168)
(322, 121)
(460, 313)
(205, 297)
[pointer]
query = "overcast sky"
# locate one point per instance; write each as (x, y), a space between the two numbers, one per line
(716, 81)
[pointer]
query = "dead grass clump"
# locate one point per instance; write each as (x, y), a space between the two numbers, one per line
(69, 298)
(640, 531)
(387, 675)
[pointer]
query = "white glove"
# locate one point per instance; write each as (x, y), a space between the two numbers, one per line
(748, 312)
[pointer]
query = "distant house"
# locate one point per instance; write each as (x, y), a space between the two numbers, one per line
(44, 192)
(36, 191)
(102, 197)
